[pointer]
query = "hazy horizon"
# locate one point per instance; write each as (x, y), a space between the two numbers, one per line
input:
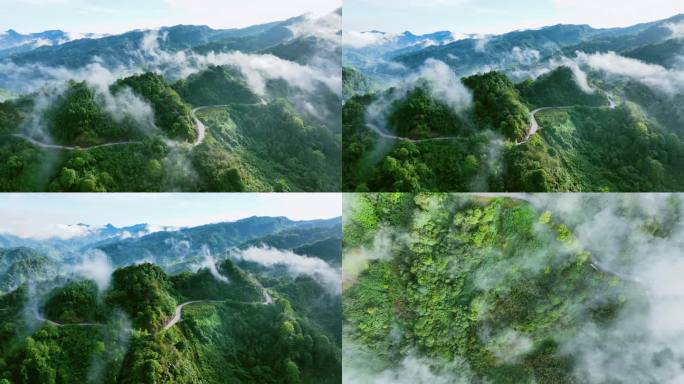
(103, 17)
(499, 16)
(42, 216)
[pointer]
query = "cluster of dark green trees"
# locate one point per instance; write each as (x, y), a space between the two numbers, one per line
(583, 145)
(470, 267)
(117, 336)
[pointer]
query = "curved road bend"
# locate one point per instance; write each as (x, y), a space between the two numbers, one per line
(534, 126)
(268, 300)
(201, 128)
(38, 316)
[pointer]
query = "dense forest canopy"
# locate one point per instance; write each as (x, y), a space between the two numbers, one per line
(463, 288)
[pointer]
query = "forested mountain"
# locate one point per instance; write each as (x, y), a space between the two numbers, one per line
(561, 108)
(184, 108)
(233, 310)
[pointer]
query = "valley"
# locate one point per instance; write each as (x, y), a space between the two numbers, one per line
(126, 305)
(555, 109)
(127, 112)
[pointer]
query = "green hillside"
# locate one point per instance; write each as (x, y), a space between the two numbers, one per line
(583, 142)
(122, 334)
(558, 88)
(171, 113)
(216, 85)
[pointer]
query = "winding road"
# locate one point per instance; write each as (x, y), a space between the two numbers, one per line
(534, 126)
(38, 316)
(202, 129)
(388, 135)
(268, 300)
(177, 314)
(68, 148)
(201, 132)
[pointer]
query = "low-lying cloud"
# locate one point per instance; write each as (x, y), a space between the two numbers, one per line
(652, 75)
(209, 263)
(295, 264)
(95, 265)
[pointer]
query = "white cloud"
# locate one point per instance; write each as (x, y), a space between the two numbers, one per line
(324, 273)
(326, 27)
(677, 29)
(652, 75)
(366, 39)
(525, 56)
(95, 265)
(209, 262)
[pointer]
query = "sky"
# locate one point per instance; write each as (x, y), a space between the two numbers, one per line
(106, 16)
(499, 16)
(47, 215)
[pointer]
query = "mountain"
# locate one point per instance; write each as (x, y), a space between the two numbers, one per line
(123, 48)
(469, 53)
(24, 265)
(14, 43)
(169, 248)
(211, 342)
(561, 108)
(170, 312)
(370, 51)
(183, 108)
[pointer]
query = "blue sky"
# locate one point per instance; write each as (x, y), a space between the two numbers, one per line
(44, 215)
(499, 16)
(107, 16)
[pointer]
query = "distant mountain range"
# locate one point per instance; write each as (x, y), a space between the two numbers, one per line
(384, 53)
(175, 247)
(14, 43)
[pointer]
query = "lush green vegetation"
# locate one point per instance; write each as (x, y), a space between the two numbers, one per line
(75, 302)
(420, 116)
(117, 336)
(78, 118)
(584, 146)
(558, 88)
(23, 265)
(273, 149)
(353, 83)
(371, 163)
(491, 283)
(249, 145)
(170, 112)
(586, 149)
(498, 105)
(216, 85)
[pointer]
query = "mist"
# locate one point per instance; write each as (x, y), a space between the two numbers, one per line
(95, 265)
(669, 81)
(646, 342)
(296, 265)
(209, 263)
(633, 241)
